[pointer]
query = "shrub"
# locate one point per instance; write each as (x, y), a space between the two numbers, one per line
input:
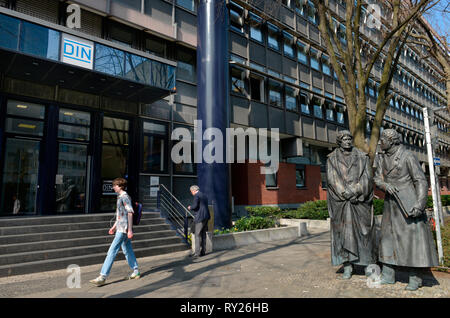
(225, 231)
(378, 205)
(254, 223)
(445, 200)
(316, 210)
(263, 211)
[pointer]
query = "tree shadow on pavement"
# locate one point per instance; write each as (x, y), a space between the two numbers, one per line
(180, 275)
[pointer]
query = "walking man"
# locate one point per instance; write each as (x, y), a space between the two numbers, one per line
(123, 227)
(406, 238)
(201, 218)
(350, 194)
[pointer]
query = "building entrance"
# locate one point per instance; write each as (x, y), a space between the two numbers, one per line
(24, 128)
(71, 179)
(20, 176)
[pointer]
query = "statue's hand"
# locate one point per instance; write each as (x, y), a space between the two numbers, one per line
(347, 194)
(391, 189)
(415, 212)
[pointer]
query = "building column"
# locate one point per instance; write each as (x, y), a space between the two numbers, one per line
(212, 102)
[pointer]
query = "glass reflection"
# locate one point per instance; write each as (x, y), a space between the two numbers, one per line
(71, 178)
(138, 68)
(9, 32)
(37, 40)
(109, 60)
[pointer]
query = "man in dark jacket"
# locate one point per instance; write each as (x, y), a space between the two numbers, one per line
(200, 207)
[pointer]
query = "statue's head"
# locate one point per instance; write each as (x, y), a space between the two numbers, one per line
(389, 138)
(344, 139)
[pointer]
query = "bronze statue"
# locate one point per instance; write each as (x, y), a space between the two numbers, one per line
(350, 194)
(405, 238)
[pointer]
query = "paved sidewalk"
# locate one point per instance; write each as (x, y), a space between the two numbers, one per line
(289, 269)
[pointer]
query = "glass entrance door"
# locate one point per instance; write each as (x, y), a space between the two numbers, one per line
(20, 177)
(72, 173)
(71, 178)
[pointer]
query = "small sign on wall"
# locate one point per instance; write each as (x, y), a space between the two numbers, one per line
(77, 51)
(154, 186)
(107, 188)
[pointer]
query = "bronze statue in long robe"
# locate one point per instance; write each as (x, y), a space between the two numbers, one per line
(349, 196)
(406, 238)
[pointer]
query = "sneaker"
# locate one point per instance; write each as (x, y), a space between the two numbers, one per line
(134, 275)
(99, 281)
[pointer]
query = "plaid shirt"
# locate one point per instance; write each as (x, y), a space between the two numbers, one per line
(124, 207)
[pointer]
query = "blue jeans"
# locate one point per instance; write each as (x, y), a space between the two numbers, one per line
(120, 239)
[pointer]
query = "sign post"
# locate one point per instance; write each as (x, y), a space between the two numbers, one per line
(434, 191)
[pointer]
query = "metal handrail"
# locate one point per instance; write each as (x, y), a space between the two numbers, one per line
(185, 209)
(174, 212)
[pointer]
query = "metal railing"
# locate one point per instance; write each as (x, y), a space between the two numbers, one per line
(176, 213)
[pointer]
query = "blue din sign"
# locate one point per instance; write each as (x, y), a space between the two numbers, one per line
(77, 51)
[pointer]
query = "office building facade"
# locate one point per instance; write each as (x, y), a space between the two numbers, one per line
(82, 106)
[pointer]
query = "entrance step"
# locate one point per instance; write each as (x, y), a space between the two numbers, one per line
(36, 244)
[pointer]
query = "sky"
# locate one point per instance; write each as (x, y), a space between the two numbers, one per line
(439, 18)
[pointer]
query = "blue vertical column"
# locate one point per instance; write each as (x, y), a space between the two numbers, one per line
(212, 101)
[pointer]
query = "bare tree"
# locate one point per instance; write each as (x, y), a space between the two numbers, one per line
(353, 59)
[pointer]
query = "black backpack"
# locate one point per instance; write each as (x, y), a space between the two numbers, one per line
(137, 213)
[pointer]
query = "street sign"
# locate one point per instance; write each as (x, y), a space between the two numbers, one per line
(437, 161)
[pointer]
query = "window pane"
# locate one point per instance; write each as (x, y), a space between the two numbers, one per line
(153, 157)
(330, 114)
(255, 89)
(115, 123)
(156, 46)
(318, 111)
(163, 75)
(114, 161)
(155, 128)
(315, 63)
(138, 68)
(186, 69)
(73, 132)
(255, 33)
(187, 4)
(9, 32)
(271, 180)
(74, 117)
(300, 177)
(109, 60)
(340, 118)
(133, 4)
(115, 137)
(24, 126)
(237, 83)
(290, 100)
(272, 37)
(304, 104)
(274, 93)
(71, 187)
(37, 40)
(25, 109)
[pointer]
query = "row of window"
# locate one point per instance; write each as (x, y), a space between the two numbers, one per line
(420, 65)
(282, 95)
(137, 5)
(404, 107)
(409, 80)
